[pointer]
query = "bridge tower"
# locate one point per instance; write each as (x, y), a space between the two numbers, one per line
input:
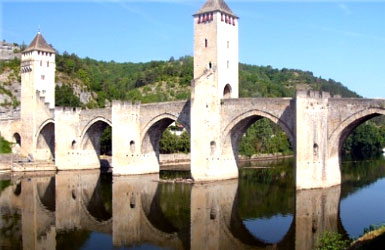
(37, 90)
(215, 77)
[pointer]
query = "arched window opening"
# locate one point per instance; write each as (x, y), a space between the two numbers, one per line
(17, 138)
(315, 152)
(210, 65)
(213, 147)
(73, 144)
(132, 147)
(227, 91)
(206, 43)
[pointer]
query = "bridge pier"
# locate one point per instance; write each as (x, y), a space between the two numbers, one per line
(211, 211)
(129, 195)
(316, 215)
(127, 158)
(314, 167)
(207, 159)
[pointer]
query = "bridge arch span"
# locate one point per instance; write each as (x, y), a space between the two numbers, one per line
(237, 127)
(90, 124)
(45, 140)
(344, 129)
(153, 130)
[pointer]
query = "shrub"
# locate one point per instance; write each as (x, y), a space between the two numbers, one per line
(332, 241)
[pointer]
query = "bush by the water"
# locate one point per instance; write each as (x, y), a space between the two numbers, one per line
(5, 146)
(332, 241)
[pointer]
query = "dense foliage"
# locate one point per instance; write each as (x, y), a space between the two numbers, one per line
(158, 81)
(171, 143)
(64, 97)
(265, 137)
(260, 81)
(332, 241)
(366, 141)
(5, 146)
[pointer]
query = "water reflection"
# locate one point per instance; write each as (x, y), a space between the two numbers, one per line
(261, 210)
(362, 194)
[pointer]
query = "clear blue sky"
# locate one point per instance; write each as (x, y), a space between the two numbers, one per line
(341, 40)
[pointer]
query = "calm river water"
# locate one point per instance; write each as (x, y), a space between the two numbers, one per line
(261, 210)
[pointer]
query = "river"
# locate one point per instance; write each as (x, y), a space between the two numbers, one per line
(261, 210)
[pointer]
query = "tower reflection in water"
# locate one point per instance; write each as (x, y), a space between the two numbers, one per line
(73, 210)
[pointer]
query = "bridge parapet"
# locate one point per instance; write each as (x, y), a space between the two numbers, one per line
(313, 94)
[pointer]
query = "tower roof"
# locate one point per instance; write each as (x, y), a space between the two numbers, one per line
(215, 5)
(39, 43)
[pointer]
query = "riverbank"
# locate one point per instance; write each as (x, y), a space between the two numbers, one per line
(177, 161)
(182, 161)
(371, 240)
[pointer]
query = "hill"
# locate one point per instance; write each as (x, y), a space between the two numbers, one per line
(88, 83)
(158, 81)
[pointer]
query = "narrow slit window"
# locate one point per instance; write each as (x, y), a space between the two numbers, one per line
(206, 43)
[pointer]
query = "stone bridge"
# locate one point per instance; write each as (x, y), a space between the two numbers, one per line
(315, 123)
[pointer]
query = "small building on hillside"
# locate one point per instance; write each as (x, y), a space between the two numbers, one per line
(176, 128)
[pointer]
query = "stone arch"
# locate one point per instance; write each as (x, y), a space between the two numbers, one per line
(93, 207)
(344, 129)
(46, 194)
(45, 143)
(90, 136)
(238, 126)
(152, 132)
(91, 123)
(227, 91)
(90, 141)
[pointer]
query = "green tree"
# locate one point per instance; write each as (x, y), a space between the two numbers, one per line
(366, 141)
(65, 97)
(5, 146)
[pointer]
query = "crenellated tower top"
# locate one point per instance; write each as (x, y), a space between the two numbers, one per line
(215, 5)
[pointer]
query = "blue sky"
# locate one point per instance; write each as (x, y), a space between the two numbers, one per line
(341, 40)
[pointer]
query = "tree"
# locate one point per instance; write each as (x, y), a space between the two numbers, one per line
(366, 141)
(65, 97)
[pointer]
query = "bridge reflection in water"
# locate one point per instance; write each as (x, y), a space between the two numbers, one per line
(69, 210)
